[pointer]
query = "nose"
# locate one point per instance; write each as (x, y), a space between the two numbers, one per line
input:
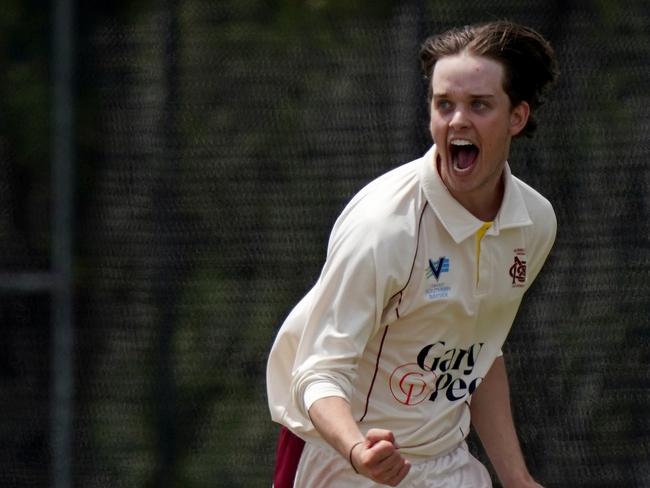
(459, 119)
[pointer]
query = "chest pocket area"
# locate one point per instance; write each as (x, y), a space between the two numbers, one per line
(502, 266)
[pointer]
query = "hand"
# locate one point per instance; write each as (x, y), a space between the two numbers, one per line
(378, 458)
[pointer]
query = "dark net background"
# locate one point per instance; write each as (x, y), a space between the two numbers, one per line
(217, 141)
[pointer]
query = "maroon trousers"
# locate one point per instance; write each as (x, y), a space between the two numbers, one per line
(287, 457)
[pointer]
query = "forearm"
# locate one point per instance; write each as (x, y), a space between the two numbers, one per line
(332, 418)
(492, 420)
(374, 455)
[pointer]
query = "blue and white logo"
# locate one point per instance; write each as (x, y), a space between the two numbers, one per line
(436, 268)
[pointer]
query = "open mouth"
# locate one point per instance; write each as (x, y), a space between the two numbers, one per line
(463, 154)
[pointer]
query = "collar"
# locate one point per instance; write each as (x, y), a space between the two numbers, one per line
(455, 218)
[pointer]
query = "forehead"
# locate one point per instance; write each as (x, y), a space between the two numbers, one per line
(467, 74)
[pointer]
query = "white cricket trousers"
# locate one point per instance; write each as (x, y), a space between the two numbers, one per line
(321, 468)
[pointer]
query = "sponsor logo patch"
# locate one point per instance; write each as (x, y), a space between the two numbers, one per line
(439, 373)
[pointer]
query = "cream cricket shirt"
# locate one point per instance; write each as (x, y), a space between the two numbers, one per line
(412, 307)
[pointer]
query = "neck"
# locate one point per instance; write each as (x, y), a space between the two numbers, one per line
(484, 207)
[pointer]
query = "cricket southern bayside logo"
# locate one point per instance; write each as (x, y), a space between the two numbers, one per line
(436, 268)
(439, 372)
(437, 290)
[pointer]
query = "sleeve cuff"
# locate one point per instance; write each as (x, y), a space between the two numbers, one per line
(321, 389)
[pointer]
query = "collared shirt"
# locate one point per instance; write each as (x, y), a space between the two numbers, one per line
(413, 305)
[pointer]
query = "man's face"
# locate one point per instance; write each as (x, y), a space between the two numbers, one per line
(472, 124)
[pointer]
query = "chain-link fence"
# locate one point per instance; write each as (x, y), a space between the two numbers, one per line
(216, 142)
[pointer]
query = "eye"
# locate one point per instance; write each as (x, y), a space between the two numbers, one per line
(443, 105)
(479, 105)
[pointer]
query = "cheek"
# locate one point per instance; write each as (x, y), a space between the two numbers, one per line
(494, 130)
(436, 127)
(495, 147)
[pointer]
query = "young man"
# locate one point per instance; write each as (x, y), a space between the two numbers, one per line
(379, 370)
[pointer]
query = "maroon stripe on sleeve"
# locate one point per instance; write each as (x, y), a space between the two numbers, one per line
(417, 246)
(287, 457)
(374, 376)
(401, 294)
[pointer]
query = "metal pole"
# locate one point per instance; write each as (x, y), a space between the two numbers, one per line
(62, 380)
(166, 204)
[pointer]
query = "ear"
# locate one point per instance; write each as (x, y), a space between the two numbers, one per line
(519, 117)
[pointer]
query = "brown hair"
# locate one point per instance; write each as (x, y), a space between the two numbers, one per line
(528, 59)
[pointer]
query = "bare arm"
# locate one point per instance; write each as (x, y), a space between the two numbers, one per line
(374, 456)
(492, 419)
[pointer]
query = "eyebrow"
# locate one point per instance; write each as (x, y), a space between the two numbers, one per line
(471, 95)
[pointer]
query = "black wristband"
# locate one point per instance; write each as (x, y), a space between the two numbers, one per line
(350, 455)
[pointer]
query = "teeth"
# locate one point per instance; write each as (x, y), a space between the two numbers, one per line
(461, 142)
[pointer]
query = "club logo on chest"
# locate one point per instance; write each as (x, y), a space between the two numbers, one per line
(517, 270)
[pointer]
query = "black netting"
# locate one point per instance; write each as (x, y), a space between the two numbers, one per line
(218, 141)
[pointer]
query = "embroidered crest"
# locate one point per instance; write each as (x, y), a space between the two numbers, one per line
(518, 269)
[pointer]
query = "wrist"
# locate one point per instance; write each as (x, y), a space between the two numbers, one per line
(350, 451)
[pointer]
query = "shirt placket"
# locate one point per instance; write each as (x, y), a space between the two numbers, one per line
(482, 276)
